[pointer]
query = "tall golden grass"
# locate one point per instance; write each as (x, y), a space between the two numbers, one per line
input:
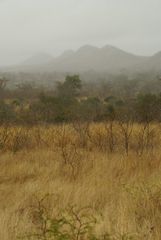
(75, 165)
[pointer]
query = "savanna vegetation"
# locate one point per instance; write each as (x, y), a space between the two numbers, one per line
(80, 166)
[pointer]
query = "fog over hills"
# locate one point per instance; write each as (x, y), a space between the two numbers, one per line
(108, 59)
(38, 59)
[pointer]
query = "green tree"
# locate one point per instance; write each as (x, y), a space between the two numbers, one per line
(148, 107)
(70, 88)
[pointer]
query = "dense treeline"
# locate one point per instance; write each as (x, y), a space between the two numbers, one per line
(71, 100)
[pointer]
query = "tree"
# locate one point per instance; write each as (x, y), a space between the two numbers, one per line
(6, 113)
(70, 88)
(148, 107)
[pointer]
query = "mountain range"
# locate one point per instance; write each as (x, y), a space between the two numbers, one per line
(89, 58)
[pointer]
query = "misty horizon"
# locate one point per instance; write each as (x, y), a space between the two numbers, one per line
(54, 26)
(22, 59)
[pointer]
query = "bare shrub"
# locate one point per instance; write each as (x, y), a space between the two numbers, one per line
(43, 135)
(102, 137)
(4, 135)
(20, 140)
(110, 128)
(38, 136)
(82, 130)
(69, 151)
(98, 139)
(126, 128)
(146, 138)
(71, 223)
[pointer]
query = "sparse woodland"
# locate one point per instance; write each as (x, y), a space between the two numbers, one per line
(79, 167)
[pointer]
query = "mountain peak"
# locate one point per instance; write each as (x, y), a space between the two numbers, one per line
(87, 48)
(109, 47)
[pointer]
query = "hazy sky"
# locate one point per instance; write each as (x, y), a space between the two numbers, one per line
(52, 26)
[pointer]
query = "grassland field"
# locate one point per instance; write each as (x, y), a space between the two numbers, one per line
(114, 169)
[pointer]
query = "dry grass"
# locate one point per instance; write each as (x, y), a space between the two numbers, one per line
(123, 190)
